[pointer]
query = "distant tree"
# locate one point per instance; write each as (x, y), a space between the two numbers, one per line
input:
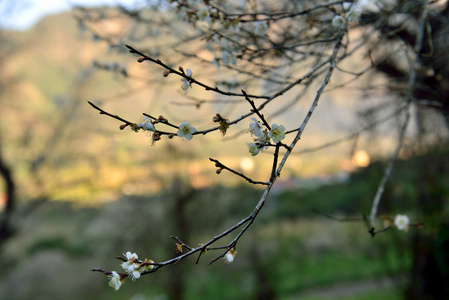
(6, 173)
(272, 56)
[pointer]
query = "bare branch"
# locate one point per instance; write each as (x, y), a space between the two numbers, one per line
(220, 166)
(411, 85)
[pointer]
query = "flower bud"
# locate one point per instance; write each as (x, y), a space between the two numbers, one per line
(156, 136)
(162, 119)
(141, 59)
(166, 73)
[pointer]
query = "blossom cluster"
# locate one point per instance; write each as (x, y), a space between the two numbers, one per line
(146, 125)
(185, 130)
(132, 267)
(263, 136)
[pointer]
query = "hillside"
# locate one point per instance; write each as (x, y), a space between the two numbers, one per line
(64, 150)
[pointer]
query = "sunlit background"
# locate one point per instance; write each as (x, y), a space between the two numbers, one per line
(87, 191)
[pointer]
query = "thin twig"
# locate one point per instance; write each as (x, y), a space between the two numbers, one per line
(254, 109)
(358, 219)
(102, 112)
(182, 74)
(220, 165)
(410, 89)
(180, 242)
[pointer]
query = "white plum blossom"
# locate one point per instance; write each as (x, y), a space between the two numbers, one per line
(132, 269)
(135, 273)
(223, 43)
(347, 5)
(147, 125)
(203, 14)
(131, 256)
(353, 15)
(253, 149)
(263, 141)
(186, 131)
(181, 12)
(115, 280)
(193, 2)
(256, 128)
(338, 22)
(228, 58)
(260, 28)
(277, 133)
(130, 266)
(229, 256)
(185, 82)
(354, 10)
(401, 222)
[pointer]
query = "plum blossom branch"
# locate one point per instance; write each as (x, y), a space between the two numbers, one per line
(255, 110)
(134, 126)
(332, 60)
(164, 121)
(277, 16)
(134, 266)
(102, 112)
(182, 74)
(321, 64)
(181, 243)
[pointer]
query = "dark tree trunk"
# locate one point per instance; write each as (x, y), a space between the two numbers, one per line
(5, 225)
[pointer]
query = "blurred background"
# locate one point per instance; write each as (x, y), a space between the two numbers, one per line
(76, 191)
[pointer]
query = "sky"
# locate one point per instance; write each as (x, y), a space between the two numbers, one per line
(23, 14)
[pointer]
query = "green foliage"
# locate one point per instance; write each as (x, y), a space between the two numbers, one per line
(290, 251)
(58, 243)
(291, 256)
(347, 198)
(417, 182)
